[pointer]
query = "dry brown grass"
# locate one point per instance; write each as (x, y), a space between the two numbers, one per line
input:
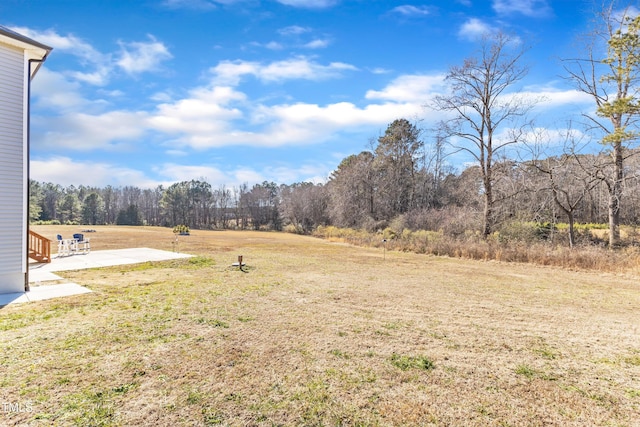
(498, 247)
(320, 333)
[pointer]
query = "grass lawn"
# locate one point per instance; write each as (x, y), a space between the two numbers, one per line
(320, 333)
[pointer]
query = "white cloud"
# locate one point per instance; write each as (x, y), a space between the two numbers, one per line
(293, 30)
(201, 5)
(88, 55)
(68, 43)
(274, 46)
(287, 174)
(176, 153)
(97, 67)
(222, 116)
(54, 91)
(161, 97)
(236, 176)
(553, 98)
(242, 175)
(231, 72)
(115, 93)
(304, 124)
(533, 8)
(293, 35)
(90, 173)
(417, 88)
(310, 4)
(541, 136)
(198, 5)
(84, 132)
(301, 68)
(99, 174)
(202, 119)
(99, 77)
(137, 57)
(317, 44)
(474, 29)
(410, 10)
(175, 173)
(380, 70)
(283, 174)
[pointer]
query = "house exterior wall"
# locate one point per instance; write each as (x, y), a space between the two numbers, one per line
(13, 172)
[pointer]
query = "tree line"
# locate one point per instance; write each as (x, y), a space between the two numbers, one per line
(402, 182)
(518, 172)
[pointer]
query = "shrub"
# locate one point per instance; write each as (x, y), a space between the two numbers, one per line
(45, 222)
(411, 362)
(528, 232)
(181, 229)
(398, 224)
(471, 245)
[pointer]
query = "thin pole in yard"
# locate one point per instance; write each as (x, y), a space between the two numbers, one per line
(384, 249)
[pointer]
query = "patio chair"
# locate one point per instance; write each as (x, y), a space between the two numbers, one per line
(81, 244)
(64, 246)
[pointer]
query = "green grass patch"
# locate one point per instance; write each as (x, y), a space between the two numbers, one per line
(392, 325)
(633, 393)
(144, 266)
(531, 373)
(633, 360)
(341, 354)
(194, 397)
(124, 388)
(212, 417)
(20, 319)
(405, 363)
(200, 262)
(90, 408)
(545, 351)
(527, 371)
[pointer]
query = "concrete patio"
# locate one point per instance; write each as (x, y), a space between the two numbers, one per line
(40, 274)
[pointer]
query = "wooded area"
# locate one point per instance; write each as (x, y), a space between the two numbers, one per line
(402, 183)
(519, 173)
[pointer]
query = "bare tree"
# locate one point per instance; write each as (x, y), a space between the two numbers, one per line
(433, 172)
(610, 75)
(224, 200)
(304, 205)
(352, 192)
(568, 184)
(482, 107)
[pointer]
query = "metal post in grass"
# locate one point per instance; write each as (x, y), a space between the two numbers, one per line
(239, 263)
(384, 249)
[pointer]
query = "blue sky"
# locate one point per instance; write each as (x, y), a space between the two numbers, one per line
(151, 92)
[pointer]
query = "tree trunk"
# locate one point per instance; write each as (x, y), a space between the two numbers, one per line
(487, 227)
(615, 194)
(572, 235)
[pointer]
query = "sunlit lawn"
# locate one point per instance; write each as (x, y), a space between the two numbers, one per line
(318, 333)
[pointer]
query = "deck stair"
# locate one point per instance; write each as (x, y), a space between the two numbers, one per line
(39, 247)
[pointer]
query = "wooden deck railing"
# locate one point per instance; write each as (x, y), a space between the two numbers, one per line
(39, 247)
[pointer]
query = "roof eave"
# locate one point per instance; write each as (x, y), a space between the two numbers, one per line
(35, 50)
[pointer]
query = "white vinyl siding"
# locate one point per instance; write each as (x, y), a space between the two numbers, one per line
(12, 169)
